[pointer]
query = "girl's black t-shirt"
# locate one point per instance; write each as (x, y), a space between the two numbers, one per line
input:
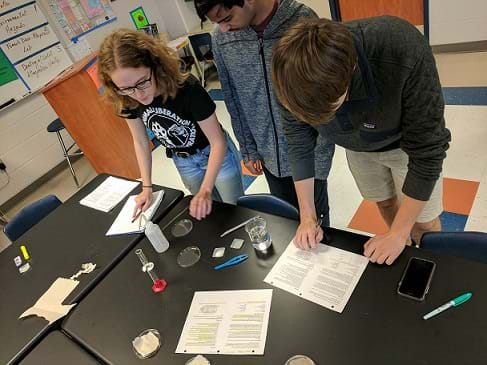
(175, 122)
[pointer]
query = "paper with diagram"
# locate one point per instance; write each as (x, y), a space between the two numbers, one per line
(227, 322)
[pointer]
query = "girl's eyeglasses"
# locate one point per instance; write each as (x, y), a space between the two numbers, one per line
(142, 85)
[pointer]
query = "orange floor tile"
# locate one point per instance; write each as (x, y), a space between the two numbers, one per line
(458, 195)
(367, 218)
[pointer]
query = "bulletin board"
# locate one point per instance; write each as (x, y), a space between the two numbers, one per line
(30, 52)
(78, 17)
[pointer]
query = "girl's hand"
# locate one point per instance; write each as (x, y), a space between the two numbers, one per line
(142, 202)
(200, 205)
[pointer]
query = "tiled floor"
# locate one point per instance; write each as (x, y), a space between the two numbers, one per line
(465, 169)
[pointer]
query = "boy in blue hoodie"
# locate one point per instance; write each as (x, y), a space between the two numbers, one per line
(242, 48)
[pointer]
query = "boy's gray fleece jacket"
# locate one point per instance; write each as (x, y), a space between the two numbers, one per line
(244, 68)
(394, 101)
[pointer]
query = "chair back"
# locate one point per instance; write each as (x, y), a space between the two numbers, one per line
(201, 44)
(470, 245)
(270, 204)
(30, 216)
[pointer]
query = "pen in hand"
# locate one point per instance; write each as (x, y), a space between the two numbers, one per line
(319, 222)
(326, 238)
(138, 212)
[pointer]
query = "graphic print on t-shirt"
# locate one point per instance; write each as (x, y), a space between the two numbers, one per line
(169, 128)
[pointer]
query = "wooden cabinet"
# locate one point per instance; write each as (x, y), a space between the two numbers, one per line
(103, 137)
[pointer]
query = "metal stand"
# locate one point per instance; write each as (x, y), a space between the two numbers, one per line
(67, 155)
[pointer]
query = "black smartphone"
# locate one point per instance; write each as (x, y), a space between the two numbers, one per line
(416, 279)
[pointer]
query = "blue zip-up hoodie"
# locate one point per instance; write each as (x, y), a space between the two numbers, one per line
(244, 68)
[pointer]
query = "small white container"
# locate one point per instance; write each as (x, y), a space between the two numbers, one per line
(156, 237)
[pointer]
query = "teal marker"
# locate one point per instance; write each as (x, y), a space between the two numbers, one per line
(452, 303)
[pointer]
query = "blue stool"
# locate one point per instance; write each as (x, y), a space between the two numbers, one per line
(57, 126)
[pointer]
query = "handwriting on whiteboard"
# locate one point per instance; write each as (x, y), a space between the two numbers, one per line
(43, 67)
(38, 64)
(20, 20)
(29, 43)
(5, 5)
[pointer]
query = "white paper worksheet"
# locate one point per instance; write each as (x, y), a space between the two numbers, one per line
(227, 322)
(325, 275)
(109, 193)
(124, 224)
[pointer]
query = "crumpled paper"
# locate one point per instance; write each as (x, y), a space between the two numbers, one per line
(49, 305)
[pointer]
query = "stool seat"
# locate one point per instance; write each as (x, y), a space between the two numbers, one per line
(55, 126)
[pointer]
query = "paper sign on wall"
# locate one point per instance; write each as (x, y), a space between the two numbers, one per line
(7, 72)
(6, 5)
(20, 20)
(43, 67)
(29, 43)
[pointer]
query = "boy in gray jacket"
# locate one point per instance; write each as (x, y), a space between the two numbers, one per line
(374, 89)
(242, 48)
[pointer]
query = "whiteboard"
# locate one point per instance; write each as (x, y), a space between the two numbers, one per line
(29, 43)
(6, 5)
(15, 89)
(30, 46)
(20, 20)
(452, 21)
(43, 67)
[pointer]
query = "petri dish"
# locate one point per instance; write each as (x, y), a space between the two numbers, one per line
(189, 256)
(147, 343)
(182, 228)
(300, 360)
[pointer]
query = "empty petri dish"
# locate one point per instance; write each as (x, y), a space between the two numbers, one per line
(147, 343)
(189, 256)
(300, 360)
(182, 228)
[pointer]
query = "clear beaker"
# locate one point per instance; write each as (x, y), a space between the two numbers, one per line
(259, 236)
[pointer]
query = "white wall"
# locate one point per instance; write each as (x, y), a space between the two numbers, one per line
(171, 17)
(321, 7)
(188, 14)
(26, 148)
(179, 17)
(453, 21)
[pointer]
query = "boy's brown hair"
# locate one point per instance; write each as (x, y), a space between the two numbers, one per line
(131, 48)
(312, 66)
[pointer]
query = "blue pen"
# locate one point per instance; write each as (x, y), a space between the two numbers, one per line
(233, 261)
(452, 303)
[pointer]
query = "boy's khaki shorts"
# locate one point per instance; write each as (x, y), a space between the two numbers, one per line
(380, 176)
